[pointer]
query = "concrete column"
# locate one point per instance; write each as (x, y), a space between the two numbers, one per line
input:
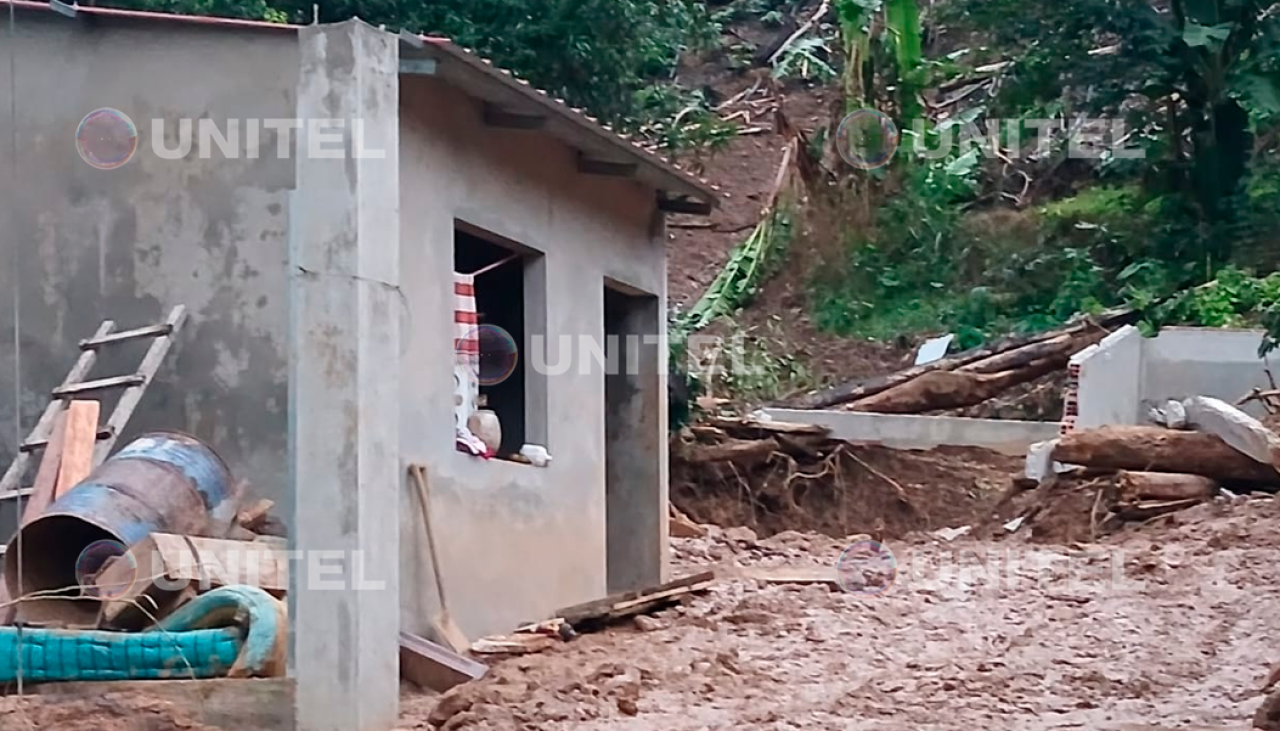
(344, 386)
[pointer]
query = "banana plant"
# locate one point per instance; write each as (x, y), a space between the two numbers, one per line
(902, 20)
(1224, 61)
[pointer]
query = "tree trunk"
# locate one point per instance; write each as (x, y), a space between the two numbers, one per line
(1164, 486)
(847, 392)
(952, 389)
(1155, 449)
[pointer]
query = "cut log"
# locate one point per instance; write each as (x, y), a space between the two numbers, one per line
(737, 450)
(1164, 486)
(1153, 449)
(1061, 347)
(953, 389)
(853, 391)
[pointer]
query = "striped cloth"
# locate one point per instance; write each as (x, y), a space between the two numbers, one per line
(466, 350)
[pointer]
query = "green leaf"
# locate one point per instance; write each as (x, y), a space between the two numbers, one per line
(1199, 36)
(964, 165)
(1261, 92)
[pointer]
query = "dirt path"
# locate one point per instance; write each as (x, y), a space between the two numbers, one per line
(1172, 626)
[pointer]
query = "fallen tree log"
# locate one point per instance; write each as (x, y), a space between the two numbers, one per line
(1061, 347)
(1136, 486)
(737, 450)
(1155, 449)
(848, 392)
(952, 389)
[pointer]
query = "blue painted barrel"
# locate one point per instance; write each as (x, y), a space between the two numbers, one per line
(161, 482)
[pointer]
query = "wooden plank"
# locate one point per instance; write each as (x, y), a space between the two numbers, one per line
(222, 562)
(434, 667)
(242, 705)
(101, 384)
(44, 427)
(79, 437)
(253, 516)
(130, 398)
(620, 605)
(150, 331)
(47, 476)
(164, 564)
(495, 116)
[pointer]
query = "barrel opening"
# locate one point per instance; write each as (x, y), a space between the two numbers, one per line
(52, 547)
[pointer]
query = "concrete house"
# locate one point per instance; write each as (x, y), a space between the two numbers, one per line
(317, 262)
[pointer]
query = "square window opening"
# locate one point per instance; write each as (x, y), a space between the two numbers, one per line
(505, 279)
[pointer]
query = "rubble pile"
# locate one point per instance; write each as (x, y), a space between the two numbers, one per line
(1091, 482)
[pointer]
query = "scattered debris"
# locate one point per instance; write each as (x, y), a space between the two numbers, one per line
(976, 375)
(950, 534)
(599, 613)
(433, 667)
(933, 349)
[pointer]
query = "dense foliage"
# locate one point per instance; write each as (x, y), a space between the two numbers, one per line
(609, 56)
(981, 244)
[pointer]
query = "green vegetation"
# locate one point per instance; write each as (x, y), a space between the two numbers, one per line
(612, 57)
(975, 242)
(1178, 233)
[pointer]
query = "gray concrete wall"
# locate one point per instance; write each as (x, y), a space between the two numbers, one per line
(1183, 362)
(1110, 379)
(909, 431)
(84, 244)
(1126, 374)
(516, 541)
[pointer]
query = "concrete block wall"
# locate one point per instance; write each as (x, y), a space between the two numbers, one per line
(1126, 374)
(79, 245)
(1108, 380)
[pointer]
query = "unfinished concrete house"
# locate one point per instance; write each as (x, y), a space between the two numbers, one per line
(311, 195)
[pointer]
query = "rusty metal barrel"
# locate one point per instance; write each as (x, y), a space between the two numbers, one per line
(160, 482)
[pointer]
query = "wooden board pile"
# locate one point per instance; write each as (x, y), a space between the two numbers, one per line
(968, 378)
(1119, 474)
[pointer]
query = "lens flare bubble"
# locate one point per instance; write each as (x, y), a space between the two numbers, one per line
(867, 139)
(106, 138)
(867, 567)
(498, 357)
(93, 560)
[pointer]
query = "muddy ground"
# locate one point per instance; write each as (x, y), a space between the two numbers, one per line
(1172, 625)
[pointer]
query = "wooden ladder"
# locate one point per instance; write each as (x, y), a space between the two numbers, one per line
(75, 386)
